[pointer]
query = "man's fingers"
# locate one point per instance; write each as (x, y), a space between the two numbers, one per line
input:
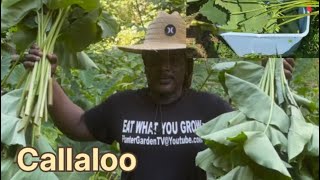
(290, 61)
(32, 58)
(35, 46)
(28, 64)
(287, 66)
(37, 52)
(52, 58)
(288, 74)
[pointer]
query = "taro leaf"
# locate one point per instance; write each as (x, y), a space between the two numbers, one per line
(240, 172)
(242, 69)
(300, 133)
(255, 104)
(313, 145)
(204, 160)
(108, 25)
(16, 75)
(8, 168)
(23, 38)
(275, 136)
(88, 5)
(8, 3)
(215, 13)
(260, 150)
(9, 122)
(68, 59)
(85, 60)
(219, 123)
(82, 32)
(14, 14)
(5, 64)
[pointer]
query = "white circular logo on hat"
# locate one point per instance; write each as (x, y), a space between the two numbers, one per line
(170, 30)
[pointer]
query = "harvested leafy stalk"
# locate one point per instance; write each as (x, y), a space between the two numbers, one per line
(34, 100)
(267, 137)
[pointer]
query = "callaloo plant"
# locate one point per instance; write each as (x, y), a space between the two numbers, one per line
(266, 136)
(64, 27)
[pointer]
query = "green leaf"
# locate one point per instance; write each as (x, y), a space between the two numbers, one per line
(242, 69)
(215, 13)
(23, 38)
(10, 124)
(16, 75)
(255, 21)
(82, 32)
(8, 168)
(219, 123)
(5, 64)
(69, 59)
(204, 160)
(85, 61)
(300, 133)
(255, 104)
(313, 144)
(8, 3)
(88, 5)
(233, 19)
(260, 150)
(240, 172)
(108, 25)
(12, 15)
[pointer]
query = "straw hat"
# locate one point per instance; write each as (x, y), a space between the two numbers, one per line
(166, 32)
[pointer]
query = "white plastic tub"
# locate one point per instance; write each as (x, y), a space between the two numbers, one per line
(267, 44)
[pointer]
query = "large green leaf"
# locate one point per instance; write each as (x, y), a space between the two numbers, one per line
(313, 145)
(233, 19)
(5, 64)
(215, 13)
(255, 104)
(205, 161)
(23, 38)
(239, 173)
(8, 3)
(85, 4)
(82, 32)
(275, 136)
(260, 150)
(69, 59)
(10, 124)
(244, 70)
(16, 75)
(108, 25)
(12, 15)
(300, 133)
(219, 123)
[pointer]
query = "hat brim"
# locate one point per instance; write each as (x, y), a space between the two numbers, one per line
(139, 48)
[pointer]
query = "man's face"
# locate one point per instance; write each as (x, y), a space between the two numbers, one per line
(165, 70)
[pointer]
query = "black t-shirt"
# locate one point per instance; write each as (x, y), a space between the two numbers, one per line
(160, 136)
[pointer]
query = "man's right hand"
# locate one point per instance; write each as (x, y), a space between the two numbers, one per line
(35, 54)
(66, 115)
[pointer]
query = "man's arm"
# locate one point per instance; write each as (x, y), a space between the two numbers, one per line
(67, 116)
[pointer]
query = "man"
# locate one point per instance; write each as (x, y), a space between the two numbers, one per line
(157, 123)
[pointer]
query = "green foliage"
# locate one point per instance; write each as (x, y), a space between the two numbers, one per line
(267, 136)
